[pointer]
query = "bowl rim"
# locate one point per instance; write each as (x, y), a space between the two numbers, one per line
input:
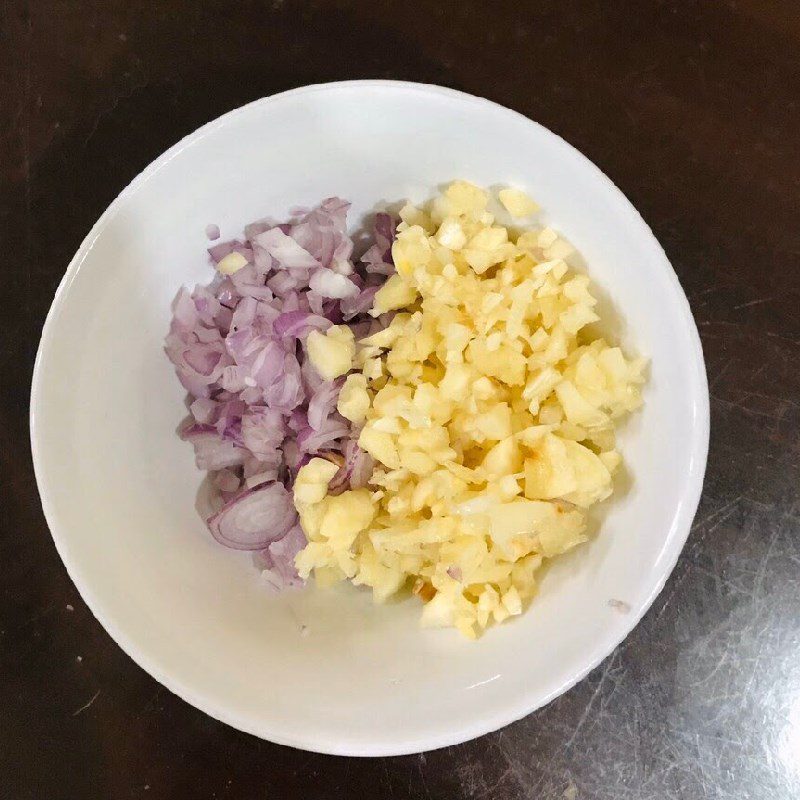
(523, 704)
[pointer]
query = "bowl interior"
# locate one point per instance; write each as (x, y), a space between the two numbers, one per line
(327, 670)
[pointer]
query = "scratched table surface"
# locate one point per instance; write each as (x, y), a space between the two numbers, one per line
(691, 108)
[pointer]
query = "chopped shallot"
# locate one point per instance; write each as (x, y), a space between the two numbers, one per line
(259, 409)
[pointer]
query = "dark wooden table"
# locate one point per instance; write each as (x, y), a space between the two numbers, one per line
(691, 108)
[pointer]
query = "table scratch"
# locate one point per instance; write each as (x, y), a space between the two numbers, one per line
(86, 705)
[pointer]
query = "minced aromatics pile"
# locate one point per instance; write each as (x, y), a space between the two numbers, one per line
(440, 414)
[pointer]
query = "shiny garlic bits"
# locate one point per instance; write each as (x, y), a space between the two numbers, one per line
(490, 413)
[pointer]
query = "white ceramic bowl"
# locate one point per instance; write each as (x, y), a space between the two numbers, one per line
(118, 487)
